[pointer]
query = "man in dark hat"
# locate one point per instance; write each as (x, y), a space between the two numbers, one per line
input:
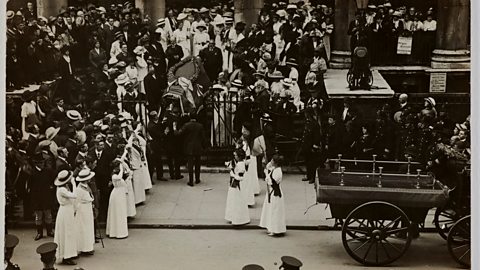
(212, 59)
(194, 142)
(156, 132)
(11, 241)
(154, 88)
(47, 252)
(174, 53)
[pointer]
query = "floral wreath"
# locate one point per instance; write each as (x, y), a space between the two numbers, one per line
(171, 72)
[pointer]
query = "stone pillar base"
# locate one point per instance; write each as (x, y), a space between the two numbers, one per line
(450, 59)
(340, 59)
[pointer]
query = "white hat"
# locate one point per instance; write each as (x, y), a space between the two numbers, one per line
(80, 13)
(182, 16)
(201, 24)
(74, 115)
(51, 132)
(121, 79)
(291, 6)
(102, 10)
(62, 178)
(41, 18)
(431, 101)
(139, 50)
(287, 82)
(237, 83)
(203, 10)
(397, 14)
(84, 175)
(388, 4)
(158, 30)
(161, 21)
(10, 14)
(113, 61)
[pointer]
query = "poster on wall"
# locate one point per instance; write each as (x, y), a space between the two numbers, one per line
(438, 82)
(404, 45)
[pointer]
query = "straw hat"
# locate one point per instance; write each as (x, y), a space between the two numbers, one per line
(74, 115)
(51, 132)
(237, 83)
(182, 16)
(63, 177)
(431, 101)
(84, 175)
(276, 75)
(122, 79)
(287, 82)
(139, 50)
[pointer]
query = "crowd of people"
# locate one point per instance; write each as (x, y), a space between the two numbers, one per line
(80, 166)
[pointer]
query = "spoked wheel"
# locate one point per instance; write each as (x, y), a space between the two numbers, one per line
(445, 217)
(458, 241)
(376, 233)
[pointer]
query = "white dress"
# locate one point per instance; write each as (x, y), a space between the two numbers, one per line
(147, 179)
(273, 211)
(236, 209)
(65, 236)
(182, 38)
(84, 225)
(138, 176)
(131, 210)
(249, 188)
(117, 226)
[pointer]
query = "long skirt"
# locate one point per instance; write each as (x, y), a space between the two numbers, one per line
(253, 175)
(65, 236)
(273, 215)
(84, 227)
(139, 185)
(117, 226)
(131, 211)
(146, 179)
(247, 189)
(236, 209)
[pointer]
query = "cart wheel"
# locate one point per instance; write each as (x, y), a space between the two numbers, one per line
(445, 217)
(458, 241)
(370, 233)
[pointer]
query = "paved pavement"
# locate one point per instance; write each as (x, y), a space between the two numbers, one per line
(176, 203)
(173, 249)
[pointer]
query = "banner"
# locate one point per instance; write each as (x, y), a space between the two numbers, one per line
(404, 45)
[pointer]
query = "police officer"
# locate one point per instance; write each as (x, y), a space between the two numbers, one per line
(11, 241)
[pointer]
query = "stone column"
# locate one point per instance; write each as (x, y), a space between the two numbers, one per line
(155, 9)
(453, 26)
(47, 8)
(247, 11)
(344, 14)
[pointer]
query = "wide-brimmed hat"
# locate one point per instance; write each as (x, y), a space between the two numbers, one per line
(291, 6)
(287, 82)
(161, 21)
(228, 14)
(121, 79)
(237, 83)
(266, 56)
(397, 14)
(217, 87)
(74, 115)
(431, 101)
(84, 175)
(201, 24)
(182, 16)
(10, 14)
(139, 50)
(63, 177)
(101, 10)
(266, 117)
(276, 75)
(258, 73)
(51, 132)
(118, 35)
(203, 10)
(292, 62)
(461, 126)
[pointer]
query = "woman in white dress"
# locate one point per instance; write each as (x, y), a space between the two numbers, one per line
(248, 190)
(131, 210)
(236, 210)
(182, 38)
(65, 236)
(84, 225)
(252, 173)
(147, 179)
(273, 211)
(137, 162)
(117, 226)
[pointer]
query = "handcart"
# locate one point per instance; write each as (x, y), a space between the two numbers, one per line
(379, 211)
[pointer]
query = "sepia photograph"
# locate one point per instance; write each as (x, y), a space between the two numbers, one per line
(237, 134)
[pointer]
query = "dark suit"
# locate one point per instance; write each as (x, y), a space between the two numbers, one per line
(156, 132)
(63, 68)
(56, 116)
(312, 147)
(194, 141)
(174, 54)
(97, 59)
(32, 145)
(102, 168)
(154, 91)
(212, 61)
(61, 165)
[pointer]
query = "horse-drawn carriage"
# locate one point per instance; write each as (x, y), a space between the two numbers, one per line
(380, 212)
